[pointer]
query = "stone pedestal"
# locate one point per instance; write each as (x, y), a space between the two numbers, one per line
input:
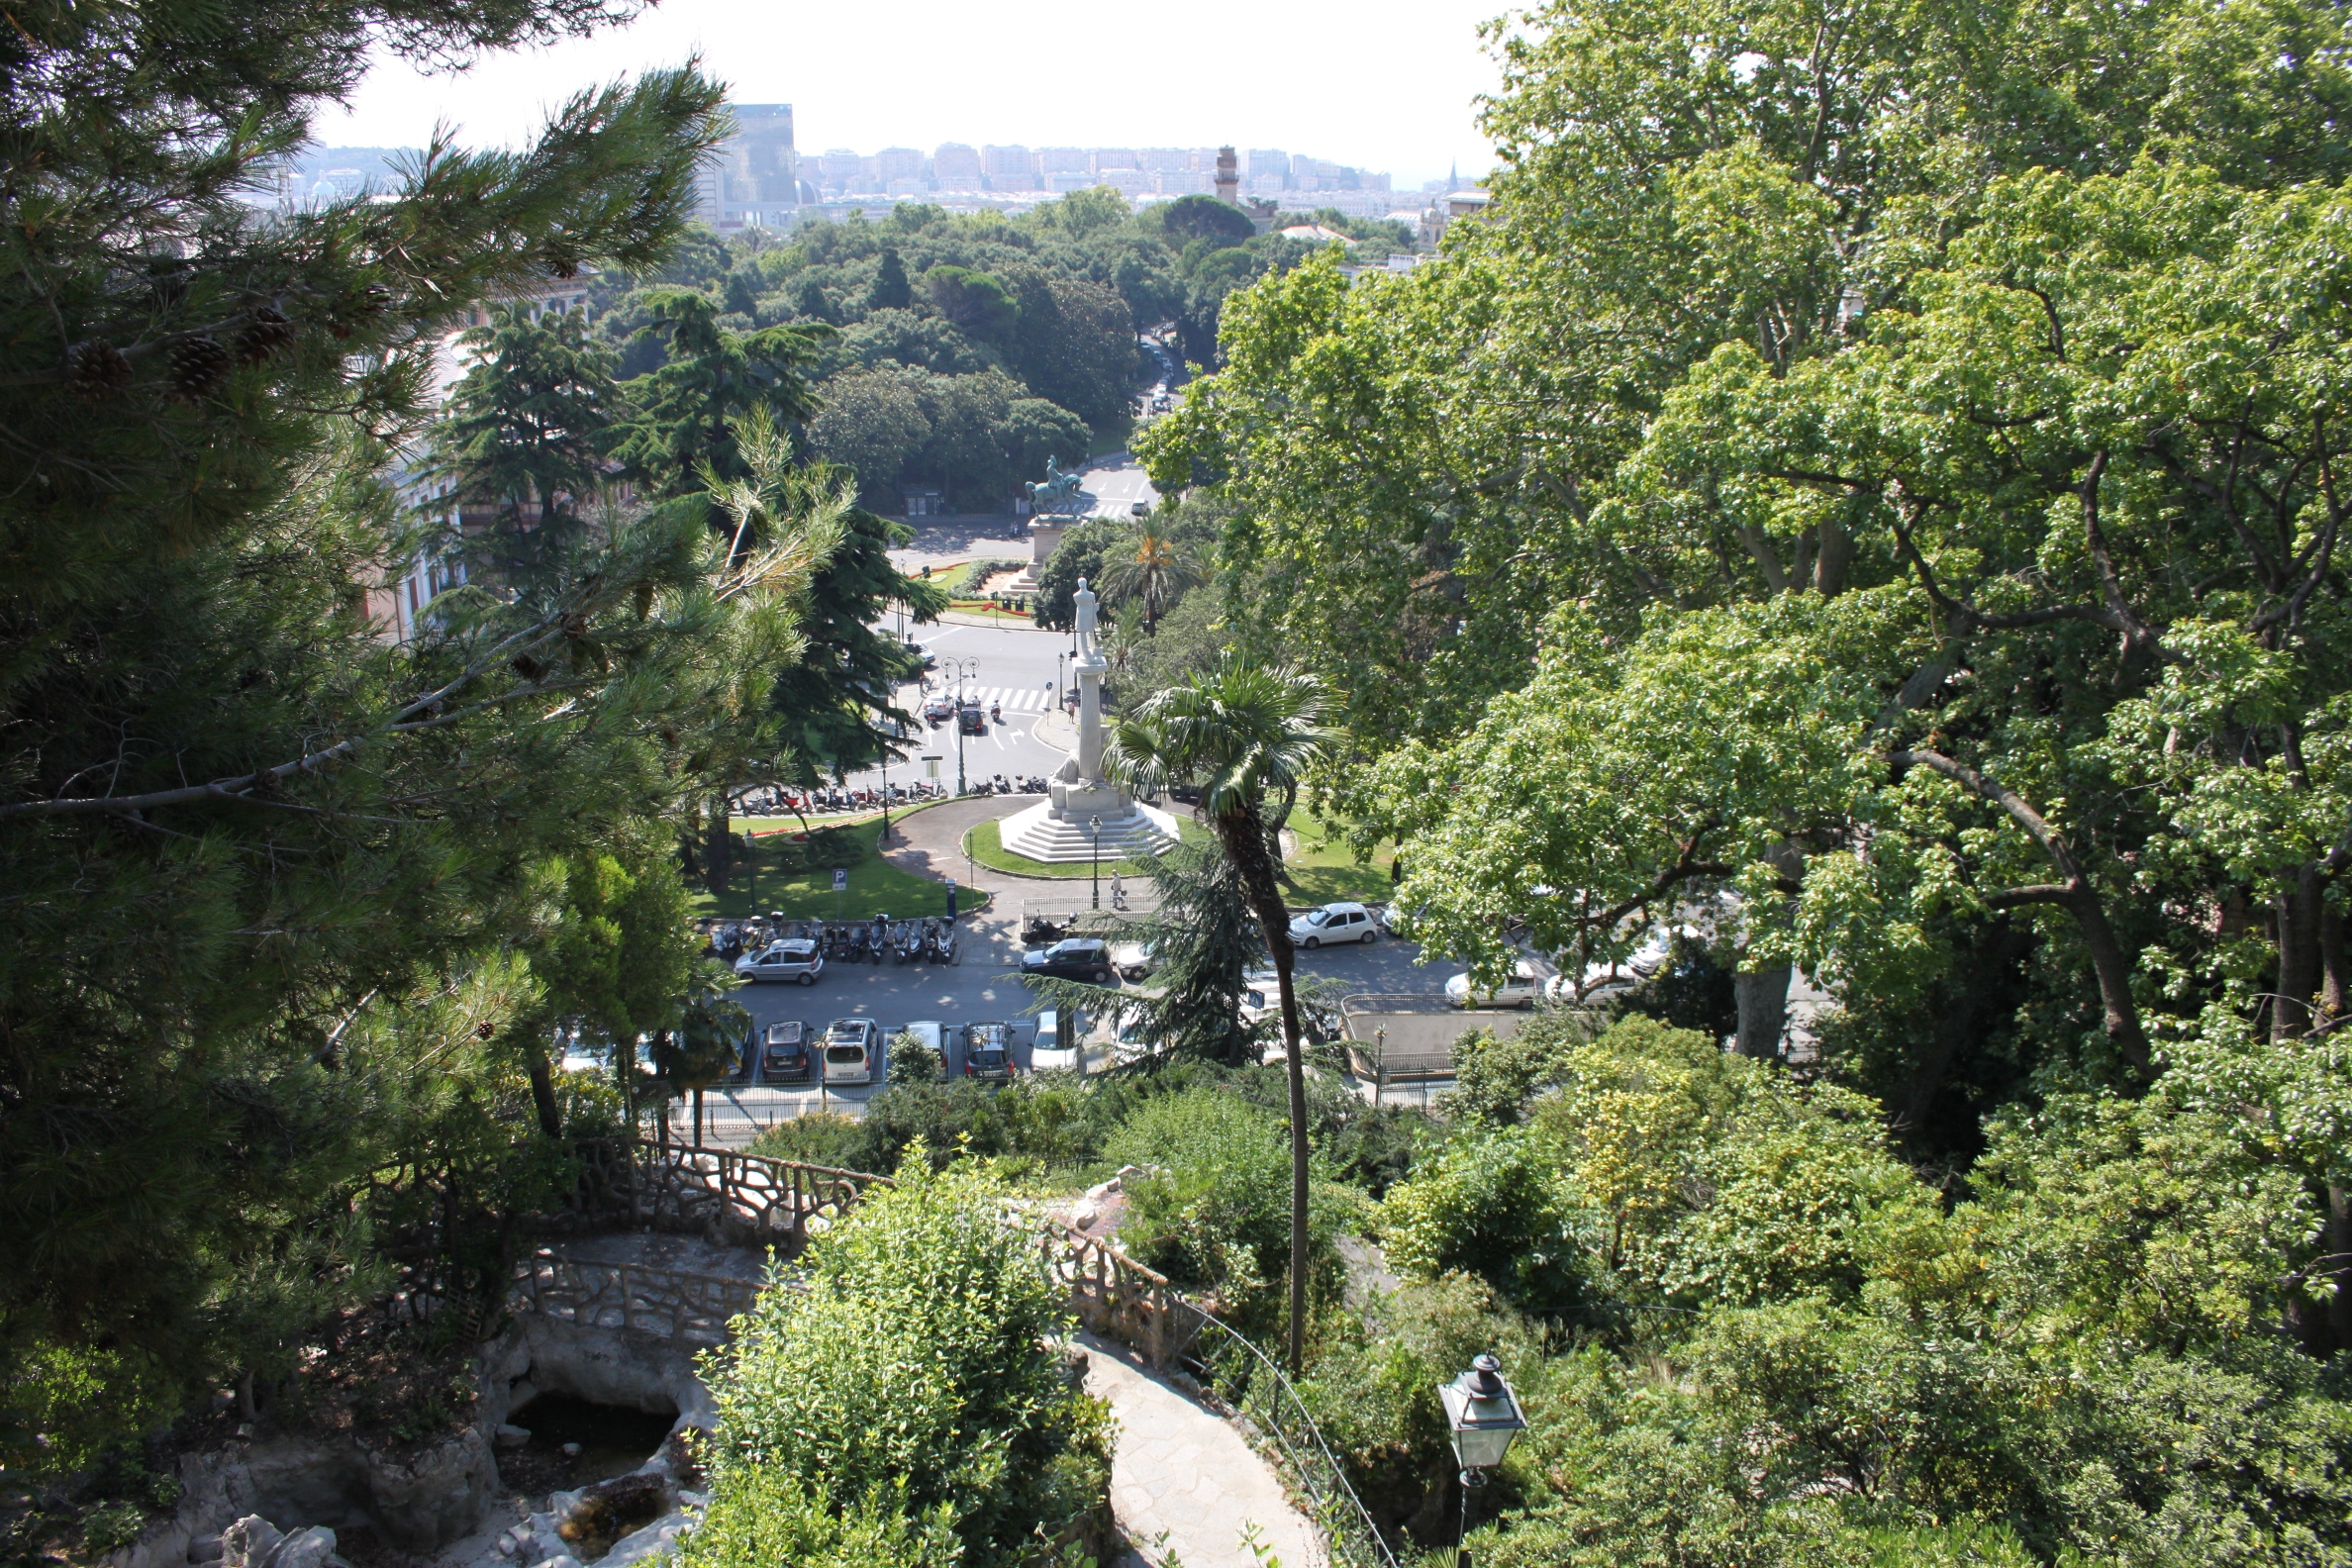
(1055, 830)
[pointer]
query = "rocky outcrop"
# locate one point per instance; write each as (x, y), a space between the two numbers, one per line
(425, 1501)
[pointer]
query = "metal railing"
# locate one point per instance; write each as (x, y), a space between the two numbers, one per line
(1121, 1299)
(1249, 1383)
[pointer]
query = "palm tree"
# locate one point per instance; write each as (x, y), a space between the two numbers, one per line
(1244, 733)
(1155, 578)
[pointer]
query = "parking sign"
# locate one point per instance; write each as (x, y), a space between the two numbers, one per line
(841, 879)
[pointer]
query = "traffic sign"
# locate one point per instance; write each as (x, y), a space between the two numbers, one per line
(841, 879)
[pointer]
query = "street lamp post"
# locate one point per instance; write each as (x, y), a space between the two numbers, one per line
(1485, 1417)
(1094, 826)
(963, 670)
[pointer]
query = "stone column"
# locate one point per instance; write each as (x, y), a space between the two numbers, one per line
(1089, 717)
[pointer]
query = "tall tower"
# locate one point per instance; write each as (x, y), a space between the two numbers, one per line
(1228, 177)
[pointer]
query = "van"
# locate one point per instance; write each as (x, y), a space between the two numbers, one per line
(850, 1051)
(1056, 1047)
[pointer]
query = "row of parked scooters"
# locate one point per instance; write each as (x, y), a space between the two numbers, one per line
(928, 940)
(785, 803)
(931, 939)
(1034, 784)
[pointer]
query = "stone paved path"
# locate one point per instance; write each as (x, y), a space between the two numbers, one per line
(1184, 1484)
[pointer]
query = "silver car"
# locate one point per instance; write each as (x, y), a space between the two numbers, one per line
(795, 959)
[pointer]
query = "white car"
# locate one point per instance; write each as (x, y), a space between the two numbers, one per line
(1643, 963)
(795, 959)
(1056, 1047)
(1518, 989)
(1131, 1041)
(1333, 923)
(1132, 961)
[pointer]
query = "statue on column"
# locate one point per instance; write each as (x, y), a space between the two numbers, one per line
(1085, 598)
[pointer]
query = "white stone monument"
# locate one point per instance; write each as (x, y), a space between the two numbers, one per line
(1061, 829)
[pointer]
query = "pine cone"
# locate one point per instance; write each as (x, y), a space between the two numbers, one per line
(263, 335)
(96, 370)
(198, 364)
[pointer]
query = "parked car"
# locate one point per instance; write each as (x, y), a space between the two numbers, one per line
(1131, 1041)
(1057, 1045)
(746, 1057)
(1132, 961)
(784, 1058)
(1389, 919)
(795, 959)
(1333, 923)
(850, 1046)
(1072, 958)
(987, 1052)
(1599, 980)
(932, 1036)
(1518, 989)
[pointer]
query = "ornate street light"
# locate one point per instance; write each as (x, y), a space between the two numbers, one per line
(1094, 824)
(963, 670)
(1485, 1417)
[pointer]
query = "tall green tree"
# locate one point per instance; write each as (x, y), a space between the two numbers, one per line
(890, 289)
(1247, 736)
(1153, 574)
(524, 434)
(711, 376)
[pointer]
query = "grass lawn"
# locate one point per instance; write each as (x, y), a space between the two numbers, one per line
(983, 845)
(1326, 870)
(876, 887)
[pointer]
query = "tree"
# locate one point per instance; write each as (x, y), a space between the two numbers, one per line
(976, 302)
(1080, 553)
(243, 826)
(1077, 347)
(525, 433)
(1205, 942)
(1155, 576)
(711, 376)
(890, 290)
(1189, 218)
(1243, 733)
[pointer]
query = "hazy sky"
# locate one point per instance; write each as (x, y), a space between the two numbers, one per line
(1387, 86)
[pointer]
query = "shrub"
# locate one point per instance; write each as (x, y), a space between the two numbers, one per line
(823, 1137)
(109, 1525)
(764, 1517)
(910, 1060)
(915, 1377)
(1213, 1211)
(1489, 1204)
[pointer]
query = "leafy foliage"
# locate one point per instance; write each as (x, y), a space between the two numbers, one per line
(914, 1373)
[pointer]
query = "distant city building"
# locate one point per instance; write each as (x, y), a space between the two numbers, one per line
(955, 161)
(896, 163)
(1269, 160)
(751, 181)
(1228, 178)
(1064, 160)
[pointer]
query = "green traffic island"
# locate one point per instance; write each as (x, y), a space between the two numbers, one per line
(789, 870)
